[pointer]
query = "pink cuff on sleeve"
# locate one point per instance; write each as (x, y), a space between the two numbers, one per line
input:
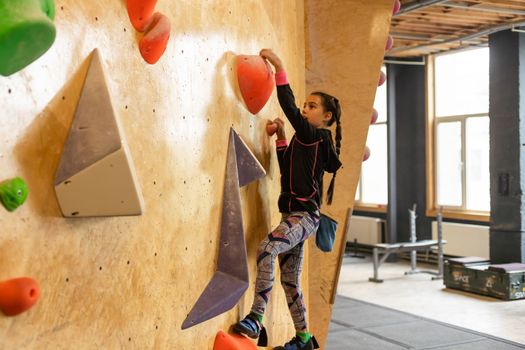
(281, 143)
(281, 78)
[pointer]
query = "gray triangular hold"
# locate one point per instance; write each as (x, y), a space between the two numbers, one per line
(232, 248)
(95, 176)
(94, 132)
(230, 280)
(248, 166)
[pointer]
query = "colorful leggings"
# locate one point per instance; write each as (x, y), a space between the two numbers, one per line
(287, 242)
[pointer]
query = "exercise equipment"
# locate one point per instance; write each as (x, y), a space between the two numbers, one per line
(230, 280)
(13, 193)
(18, 295)
(225, 341)
(256, 81)
(95, 176)
(385, 249)
(26, 32)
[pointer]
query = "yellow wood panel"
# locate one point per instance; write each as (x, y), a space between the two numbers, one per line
(129, 282)
(345, 43)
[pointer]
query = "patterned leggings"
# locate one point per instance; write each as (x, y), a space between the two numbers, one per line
(287, 242)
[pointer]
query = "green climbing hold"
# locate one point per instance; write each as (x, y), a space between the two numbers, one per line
(13, 193)
(26, 32)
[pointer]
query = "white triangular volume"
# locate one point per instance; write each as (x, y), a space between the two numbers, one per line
(106, 188)
(95, 176)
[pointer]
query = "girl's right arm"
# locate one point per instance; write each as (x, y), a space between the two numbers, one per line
(304, 130)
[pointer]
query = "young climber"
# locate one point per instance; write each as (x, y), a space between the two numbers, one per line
(303, 162)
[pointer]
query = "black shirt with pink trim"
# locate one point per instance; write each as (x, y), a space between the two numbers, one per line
(303, 162)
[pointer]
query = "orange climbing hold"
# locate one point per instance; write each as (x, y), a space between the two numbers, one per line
(225, 341)
(375, 115)
(397, 6)
(17, 295)
(154, 42)
(382, 78)
(256, 81)
(389, 43)
(366, 153)
(271, 128)
(139, 12)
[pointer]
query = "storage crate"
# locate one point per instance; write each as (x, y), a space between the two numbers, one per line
(477, 278)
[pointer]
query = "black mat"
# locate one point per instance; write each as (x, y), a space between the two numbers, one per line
(357, 325)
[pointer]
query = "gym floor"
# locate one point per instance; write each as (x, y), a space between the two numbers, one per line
(419, 295)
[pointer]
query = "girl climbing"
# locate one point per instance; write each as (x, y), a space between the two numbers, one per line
(303, 162)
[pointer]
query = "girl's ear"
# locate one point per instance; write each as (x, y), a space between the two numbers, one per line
(327, 116)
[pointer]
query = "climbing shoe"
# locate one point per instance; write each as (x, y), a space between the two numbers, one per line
(297, 344)
(252, 328)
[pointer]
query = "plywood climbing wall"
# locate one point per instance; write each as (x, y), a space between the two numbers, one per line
(129, 282)
(345, 43)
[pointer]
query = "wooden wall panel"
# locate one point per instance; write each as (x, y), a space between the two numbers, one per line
(345, 43)
(129, 282)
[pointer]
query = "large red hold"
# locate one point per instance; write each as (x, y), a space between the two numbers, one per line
(155, 41)
(139, 12)
(17, 295)
(256, 81)
(225, 341)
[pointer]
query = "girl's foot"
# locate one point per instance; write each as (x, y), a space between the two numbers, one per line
(252, 328)
(297, 344)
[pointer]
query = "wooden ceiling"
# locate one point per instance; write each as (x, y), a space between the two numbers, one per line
(423, 27)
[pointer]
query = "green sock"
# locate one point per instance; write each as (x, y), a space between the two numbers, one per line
(305, 337)
(259, 317)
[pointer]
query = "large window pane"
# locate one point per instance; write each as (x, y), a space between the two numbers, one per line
(374, 171)
(462, 83)
(477, 163)
(449, 188)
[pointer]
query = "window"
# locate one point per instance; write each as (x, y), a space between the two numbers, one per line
(372, 190)
(461, 131)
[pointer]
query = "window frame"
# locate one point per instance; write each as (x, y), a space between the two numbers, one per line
(458, 213)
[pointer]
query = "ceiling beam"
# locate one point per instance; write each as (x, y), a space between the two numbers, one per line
(464, 38)
(417, 5)
(484, 8)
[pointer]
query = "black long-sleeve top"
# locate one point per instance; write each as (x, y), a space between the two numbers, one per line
(303, 162)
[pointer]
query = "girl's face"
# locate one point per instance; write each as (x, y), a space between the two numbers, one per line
(314, 113)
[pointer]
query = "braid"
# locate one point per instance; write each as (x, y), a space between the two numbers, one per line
(338, 137)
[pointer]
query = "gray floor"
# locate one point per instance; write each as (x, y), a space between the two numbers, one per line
(358, 325)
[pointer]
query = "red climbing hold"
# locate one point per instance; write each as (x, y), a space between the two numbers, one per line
(397, 6)
(366, 154)
(225, 341)
(271, 128)
(256, 81)
(139, 12)
(389, 43)
(382, 78)
(154, 42)
(374, 117)
(17, 295)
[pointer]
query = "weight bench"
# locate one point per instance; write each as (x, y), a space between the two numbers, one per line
(386, 249)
